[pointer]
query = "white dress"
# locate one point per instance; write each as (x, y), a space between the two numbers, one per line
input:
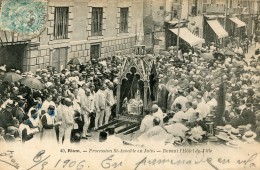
(48, 134)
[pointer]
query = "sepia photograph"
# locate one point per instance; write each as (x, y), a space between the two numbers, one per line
(129, 84)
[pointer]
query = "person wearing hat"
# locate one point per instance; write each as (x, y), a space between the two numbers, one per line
(14, 92)
(110, 99)
(202, 106)
(156, 134)
(6, 116)
(147, 122)
(157, 112)
(47, 102)
(48, 123)
(18, 111)
(87, 108)
(248, 116)
(249, 137)
(181, 99)
(100, 105)
(177, 117)
(190, 112)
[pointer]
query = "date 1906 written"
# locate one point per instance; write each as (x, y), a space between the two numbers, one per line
(69, 164)
(41, 160)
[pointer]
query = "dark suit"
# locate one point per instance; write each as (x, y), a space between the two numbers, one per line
(9, 138)
(248, 117)
(18, 113)
(5, 118)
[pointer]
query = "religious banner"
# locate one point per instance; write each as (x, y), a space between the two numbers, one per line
(24, 17)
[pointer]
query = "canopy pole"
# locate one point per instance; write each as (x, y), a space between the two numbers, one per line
(178, 34)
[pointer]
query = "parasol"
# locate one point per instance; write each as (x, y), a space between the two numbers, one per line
(238, 63)
(74, 61)
(32, 82)
(12, 77)
(229, 53)
(165, 53)
(219, 54)
(207, 56)
(150, 56)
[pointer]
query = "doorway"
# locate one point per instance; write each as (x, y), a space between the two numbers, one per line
(12, 56)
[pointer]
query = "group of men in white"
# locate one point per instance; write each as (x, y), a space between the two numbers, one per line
(61, 116)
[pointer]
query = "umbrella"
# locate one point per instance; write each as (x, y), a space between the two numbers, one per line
(207, 56)
(150, 56)
(12, 77)
(219, 55)
(172, 48)
(165, 53)
(238, 63)
(74, 61)
(32, 82)
(229, 53)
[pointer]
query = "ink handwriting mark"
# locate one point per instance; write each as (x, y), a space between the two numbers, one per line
(9, 155)
(248, 162)
(38, 159)
(109, 163)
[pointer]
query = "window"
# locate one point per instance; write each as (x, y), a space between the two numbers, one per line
(61, 18)
(123, 20)
(96, 24)
(174, 14)
(94, 51)
(161, 7)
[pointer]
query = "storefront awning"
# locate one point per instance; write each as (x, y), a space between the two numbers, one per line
(217, 28)
(187, 36)
(238, 22)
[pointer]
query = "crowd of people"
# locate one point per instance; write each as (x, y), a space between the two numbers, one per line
(197, 100)
(206, 100)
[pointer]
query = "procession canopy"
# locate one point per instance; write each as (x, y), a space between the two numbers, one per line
(138, 79)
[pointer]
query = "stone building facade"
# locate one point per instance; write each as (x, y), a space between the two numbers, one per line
(69, 32)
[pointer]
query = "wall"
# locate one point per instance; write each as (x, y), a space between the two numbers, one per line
(79, 37)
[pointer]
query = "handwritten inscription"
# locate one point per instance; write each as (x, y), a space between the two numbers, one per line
(110, 163)
(42, 161)
(70, 164)
(247, 163)
(8, 158)
(38, 159)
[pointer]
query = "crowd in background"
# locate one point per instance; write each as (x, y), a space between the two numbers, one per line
(191, 89)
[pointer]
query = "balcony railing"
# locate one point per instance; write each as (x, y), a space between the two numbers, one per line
(235, 10)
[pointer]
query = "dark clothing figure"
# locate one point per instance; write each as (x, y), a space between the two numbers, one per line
(6, 118)
(18, 113)
(248, 117)
(9, 138)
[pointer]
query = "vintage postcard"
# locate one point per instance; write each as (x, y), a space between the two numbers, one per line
(129, 84)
